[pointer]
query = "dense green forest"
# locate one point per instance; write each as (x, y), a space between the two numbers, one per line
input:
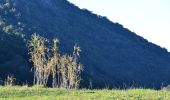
(13, 50)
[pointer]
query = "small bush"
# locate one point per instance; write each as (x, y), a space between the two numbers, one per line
(10, 81)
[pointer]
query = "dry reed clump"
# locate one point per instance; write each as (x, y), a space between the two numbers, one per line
(65, 69)
(39, 57)
(10, 81)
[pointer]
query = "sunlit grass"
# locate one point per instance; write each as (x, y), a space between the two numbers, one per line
(40, 93)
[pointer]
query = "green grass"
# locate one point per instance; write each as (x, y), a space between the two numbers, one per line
(39, 93)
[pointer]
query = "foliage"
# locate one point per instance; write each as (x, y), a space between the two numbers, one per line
(13, 51)
(7, 10)
(13, 58)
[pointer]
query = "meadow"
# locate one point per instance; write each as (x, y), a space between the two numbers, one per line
(40, 93)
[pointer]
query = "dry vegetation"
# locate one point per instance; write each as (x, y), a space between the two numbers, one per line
(10, 81)
(65, 69)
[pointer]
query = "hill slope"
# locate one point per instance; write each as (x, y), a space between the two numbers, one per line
(111, 54)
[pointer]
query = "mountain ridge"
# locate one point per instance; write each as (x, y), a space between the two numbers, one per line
(112, 55)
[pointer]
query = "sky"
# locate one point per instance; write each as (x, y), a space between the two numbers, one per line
(147, 18)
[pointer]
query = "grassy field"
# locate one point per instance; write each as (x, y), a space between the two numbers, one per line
(39, 93)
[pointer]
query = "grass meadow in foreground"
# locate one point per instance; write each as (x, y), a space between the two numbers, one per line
(40, 93)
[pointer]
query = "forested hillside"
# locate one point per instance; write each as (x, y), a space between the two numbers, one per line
(111, 54)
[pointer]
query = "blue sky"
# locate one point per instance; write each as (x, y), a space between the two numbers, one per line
(148, 18)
